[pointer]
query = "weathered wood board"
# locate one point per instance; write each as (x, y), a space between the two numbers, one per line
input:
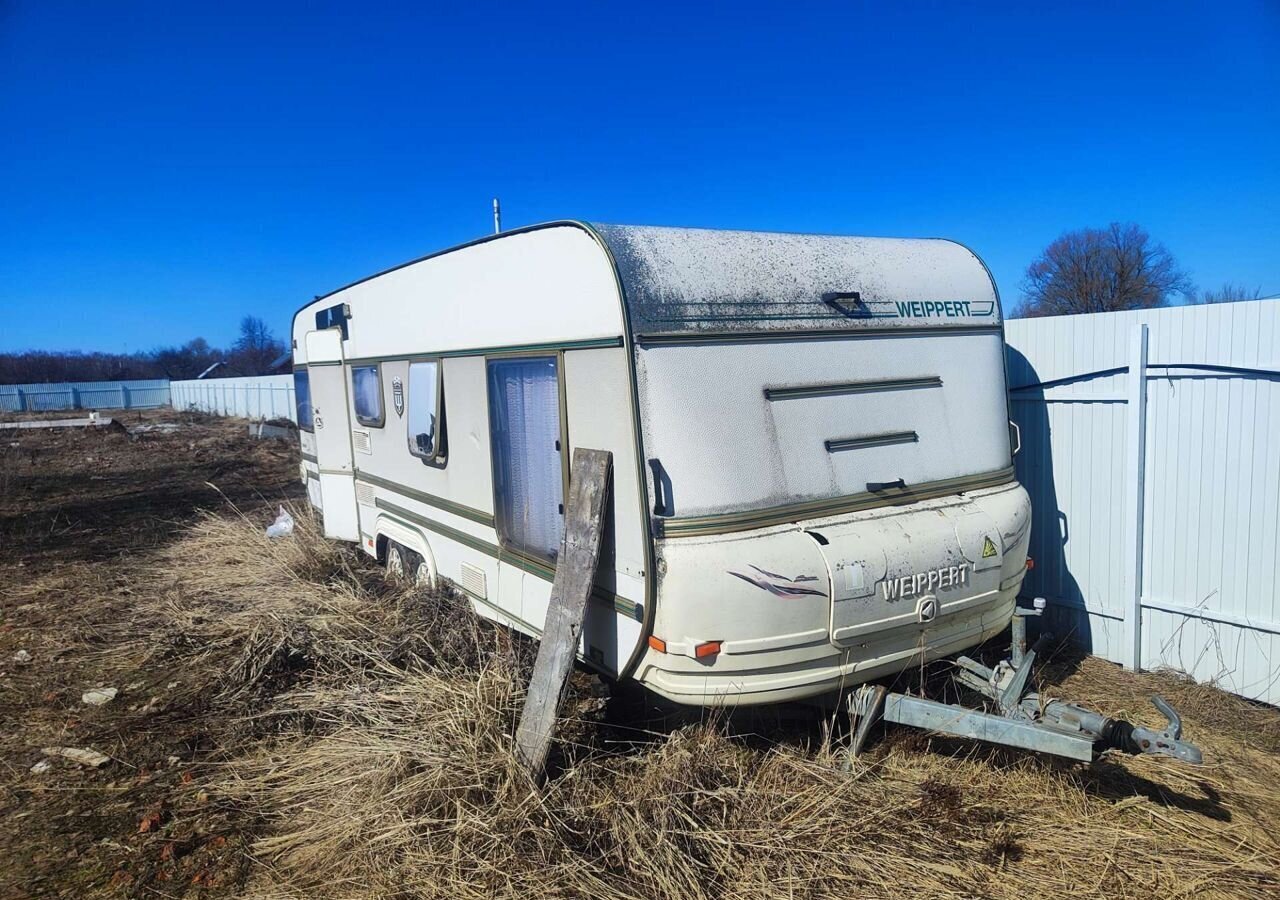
(590, 477)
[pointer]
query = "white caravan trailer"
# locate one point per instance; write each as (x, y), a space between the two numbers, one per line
(813, 484)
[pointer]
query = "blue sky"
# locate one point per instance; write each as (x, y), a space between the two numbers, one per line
(168, 167)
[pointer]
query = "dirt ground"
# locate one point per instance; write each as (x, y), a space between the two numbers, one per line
(287, 724)
(79, 510)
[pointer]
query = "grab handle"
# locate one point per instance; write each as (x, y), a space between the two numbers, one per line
(660, 482)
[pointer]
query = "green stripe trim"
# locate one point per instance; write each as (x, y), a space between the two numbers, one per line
(461, 537)
(549, 347)
(728, 523)
(507, 614)
(850, 387)
(542, 570)
(676, 339)
(324, 362)
(310, 458)
(538, 567)
(547, 572)
(458, 509)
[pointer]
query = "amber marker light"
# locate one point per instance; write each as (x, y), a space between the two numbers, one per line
(707, 648)
(658, 644)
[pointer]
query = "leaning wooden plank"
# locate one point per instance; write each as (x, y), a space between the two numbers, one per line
(589, 479)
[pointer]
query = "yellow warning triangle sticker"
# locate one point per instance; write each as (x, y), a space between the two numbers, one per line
(988, 548)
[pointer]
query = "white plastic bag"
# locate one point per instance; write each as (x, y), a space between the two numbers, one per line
(282, 526)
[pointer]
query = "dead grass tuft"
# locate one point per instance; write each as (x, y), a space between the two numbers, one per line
(374, 759)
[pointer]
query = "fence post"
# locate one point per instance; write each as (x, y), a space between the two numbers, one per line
(1135, 492)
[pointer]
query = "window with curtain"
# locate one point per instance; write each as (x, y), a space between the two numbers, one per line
(524, 427)
(366, 391)
(424, 410)
(302, 398)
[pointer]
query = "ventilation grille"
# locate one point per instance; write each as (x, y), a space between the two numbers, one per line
(364, 494)
(472, 581)
(360, 440)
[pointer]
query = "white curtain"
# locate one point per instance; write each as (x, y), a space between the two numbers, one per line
(524, 423)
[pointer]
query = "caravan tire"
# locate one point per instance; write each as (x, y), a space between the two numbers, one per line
(406, 566)
(418, 572)
(397, 562)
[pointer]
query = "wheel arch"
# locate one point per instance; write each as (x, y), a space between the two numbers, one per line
(388, 529)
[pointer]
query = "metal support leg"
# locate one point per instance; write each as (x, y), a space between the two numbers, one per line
(868, 706)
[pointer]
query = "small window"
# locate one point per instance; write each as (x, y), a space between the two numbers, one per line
(426, 412)
(302, 398)
(366, 389)
(334, 317)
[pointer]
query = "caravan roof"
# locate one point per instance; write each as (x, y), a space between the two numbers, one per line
(692, 281)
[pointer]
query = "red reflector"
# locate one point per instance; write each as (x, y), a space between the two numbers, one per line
(1031, 563)
(658, 644)
(709, 648)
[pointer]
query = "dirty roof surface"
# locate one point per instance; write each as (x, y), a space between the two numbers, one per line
(690, 280)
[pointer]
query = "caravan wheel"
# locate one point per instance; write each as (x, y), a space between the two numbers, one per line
(419, 573)
(396, 568)
(405, 565)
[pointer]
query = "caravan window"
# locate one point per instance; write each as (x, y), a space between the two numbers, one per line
(334, 317)
(425, 408)
(302, 398)
(524, 429)
(366, 389)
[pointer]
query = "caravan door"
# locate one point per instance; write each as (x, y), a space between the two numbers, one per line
(528, 477)
(332, 420)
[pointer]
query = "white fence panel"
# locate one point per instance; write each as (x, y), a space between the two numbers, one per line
(262, 397)
(1169, 557)
(136, 394)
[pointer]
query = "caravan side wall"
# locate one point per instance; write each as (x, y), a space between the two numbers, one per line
(547, 294)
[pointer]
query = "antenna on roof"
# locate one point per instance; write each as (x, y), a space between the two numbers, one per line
(497, 216)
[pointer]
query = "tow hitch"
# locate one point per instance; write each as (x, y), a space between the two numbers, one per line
(1022, 718)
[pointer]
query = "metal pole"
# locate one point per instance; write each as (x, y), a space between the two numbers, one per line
(1135, 492)
(1018, 642)
(497, 217)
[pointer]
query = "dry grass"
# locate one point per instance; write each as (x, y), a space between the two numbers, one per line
(371, 757)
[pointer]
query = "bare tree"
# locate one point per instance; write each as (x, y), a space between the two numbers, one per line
(252, 354)
(255, 349)
(73, 365)
(254, 335)
(1100, 270)
(187, 361)
(1229, 293)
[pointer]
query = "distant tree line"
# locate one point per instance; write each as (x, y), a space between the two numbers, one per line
(1114, 268)
(252, 353)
